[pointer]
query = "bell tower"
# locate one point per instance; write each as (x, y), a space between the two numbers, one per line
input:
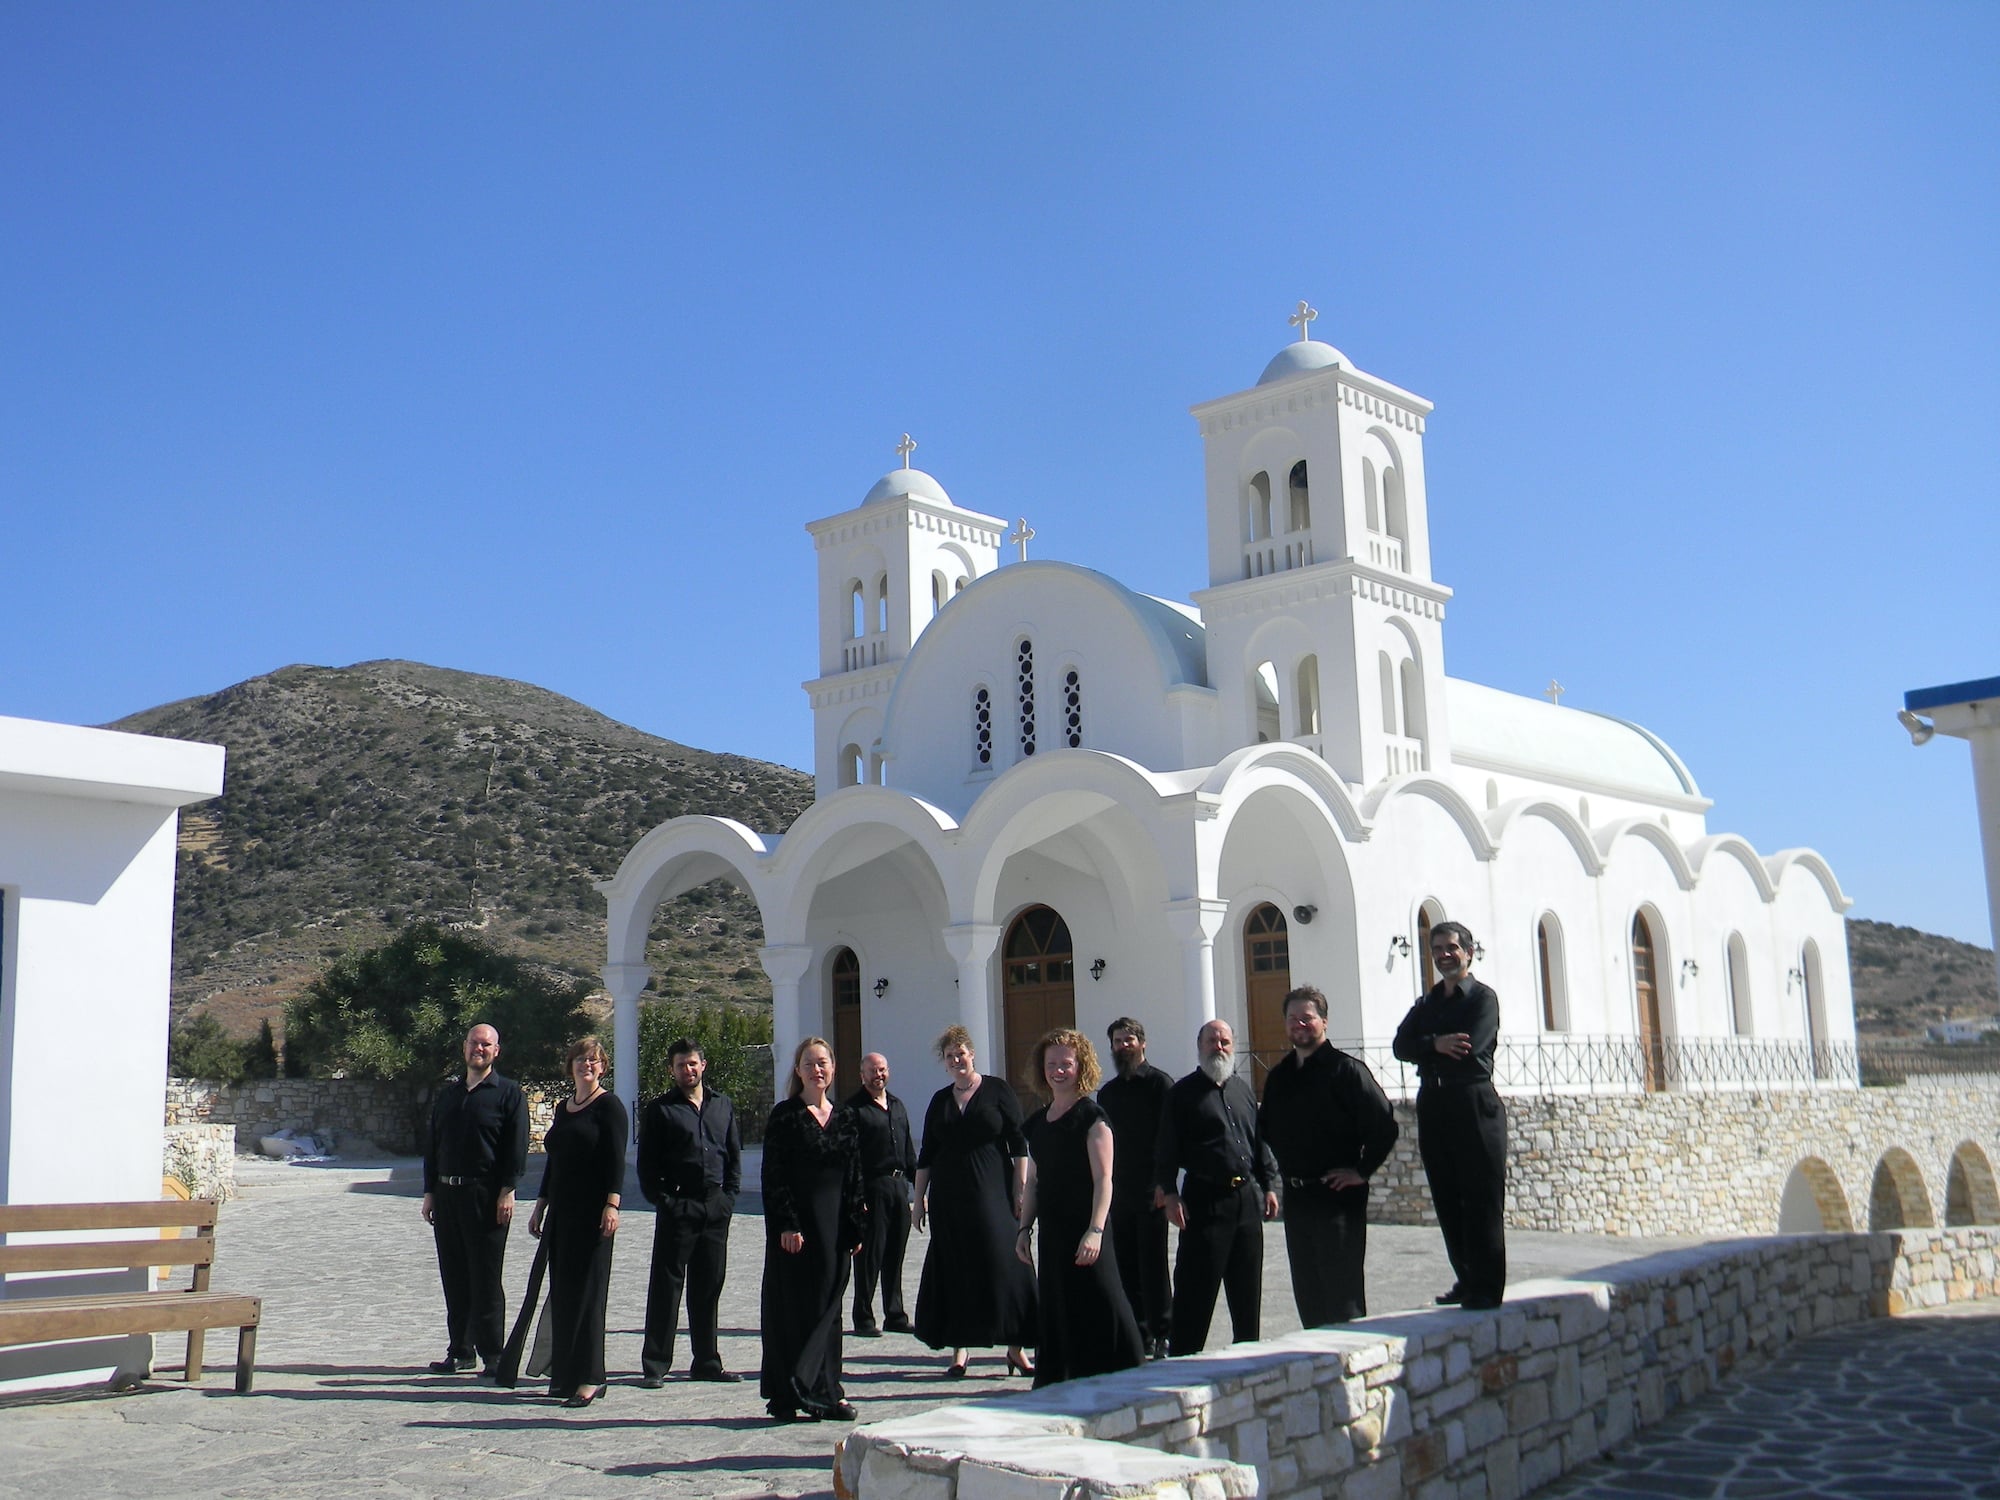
(886, 568)
(1324, 624)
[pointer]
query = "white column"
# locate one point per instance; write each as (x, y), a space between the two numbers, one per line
(625, 981)
(786, 966)
(1196, 922)
(971, 946)
(1986, 790)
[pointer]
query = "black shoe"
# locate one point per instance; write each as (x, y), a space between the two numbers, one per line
(1156, 1349)
(651, 1382)
(842, 1411)
(867, 1331)
(1451, 1298)
(896, 1323)
(574, 1401)
(718, 1375)
(455, 1364)
(781, 1413)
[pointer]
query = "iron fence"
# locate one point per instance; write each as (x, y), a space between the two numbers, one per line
(1570, 1063)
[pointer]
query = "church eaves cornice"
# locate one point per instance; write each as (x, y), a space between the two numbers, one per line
(1335, 580)
(1338, 385)
(852, 687)
(952, 522)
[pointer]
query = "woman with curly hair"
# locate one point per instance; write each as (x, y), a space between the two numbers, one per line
(1086, 1322)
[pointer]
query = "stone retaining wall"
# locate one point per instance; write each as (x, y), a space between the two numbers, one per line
(348, 1109)
(1444, 1405)
(1717, 1163)
(202, 1158)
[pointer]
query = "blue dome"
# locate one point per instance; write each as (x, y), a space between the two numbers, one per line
(1298, 358)
(900, 482)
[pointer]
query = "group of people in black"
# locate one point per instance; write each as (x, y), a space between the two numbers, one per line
(1101, 1178)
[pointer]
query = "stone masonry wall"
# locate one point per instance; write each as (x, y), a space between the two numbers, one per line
(345, 1108)
(202, 1159)
(1447, 1405)
(1711, 1162)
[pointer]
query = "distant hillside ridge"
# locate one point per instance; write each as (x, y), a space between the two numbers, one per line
(1905, 980)
(357, 798)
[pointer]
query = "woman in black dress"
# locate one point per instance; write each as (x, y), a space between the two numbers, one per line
(1086, 1321)
(812, 1228)
(578, 1211)
(974, 1293)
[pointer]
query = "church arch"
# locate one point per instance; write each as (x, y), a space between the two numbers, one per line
(1652, 1004)
(1813, 1202)
(844, 995)
(1038, 986)
(1805, 859)
(1257, 508)
(1395, 514)
(857, 609)
(1646, 830)
(1813, 978)
(1300, 495)
(1971, 1195)
(1551, 973)
(1736, 974)
(882, 604)
(1897, 1198)
(1392, 717)
(1307, 696)
(677, 856)
(1264, 703)
(850, 766)
(1574, 833)
(1371, 499)
(940, 591)
(1738, 849)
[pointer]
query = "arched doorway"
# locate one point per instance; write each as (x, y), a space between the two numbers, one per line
(1815, 998)
(846, 1020)
(1038, 985)
(1646, 992)
(1428, 916)
(1267, 975)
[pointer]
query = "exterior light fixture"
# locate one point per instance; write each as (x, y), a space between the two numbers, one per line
(1399, 945)
(881, 988)
(1097, 970)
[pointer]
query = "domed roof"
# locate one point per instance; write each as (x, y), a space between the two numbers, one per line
(897, 483)
(1562, 744)
(1297, 358)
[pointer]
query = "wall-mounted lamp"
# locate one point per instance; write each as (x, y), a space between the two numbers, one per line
(1689, 970)
(1793, 979)
(881, 988)
(1478, 950)
(1097, 970)
(1399, 946)
(1305, 914)
(1920, 730)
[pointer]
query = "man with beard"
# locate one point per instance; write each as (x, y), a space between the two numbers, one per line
(1220, 1184)
(1450, 1035)
(1330, 1126)
(1133, 1101)
(888, 1166)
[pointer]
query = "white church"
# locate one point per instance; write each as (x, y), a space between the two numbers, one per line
(1044, 798)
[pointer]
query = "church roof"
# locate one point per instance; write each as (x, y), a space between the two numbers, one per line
(1506, 731)
(1299, 357)
(898, 483)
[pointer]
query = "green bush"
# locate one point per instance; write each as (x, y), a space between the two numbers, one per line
(260, 1053)
(725, 1032)
(197, 1047)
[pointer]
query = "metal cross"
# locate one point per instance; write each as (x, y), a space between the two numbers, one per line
(1306, 313)
(905, 448)
(1554, 692)
(1022, 535)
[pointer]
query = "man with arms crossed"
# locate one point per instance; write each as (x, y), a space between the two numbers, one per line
(1133, 1100)
(1450, 1035)
(1208, 1132)
(1330, 1126)
(473, 1157)
(690, 1169)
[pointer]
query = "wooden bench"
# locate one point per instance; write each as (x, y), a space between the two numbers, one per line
(28, 1319)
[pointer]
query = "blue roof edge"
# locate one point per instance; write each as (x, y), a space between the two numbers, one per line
(1918, 699)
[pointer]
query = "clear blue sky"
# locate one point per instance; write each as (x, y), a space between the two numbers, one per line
(525, 340)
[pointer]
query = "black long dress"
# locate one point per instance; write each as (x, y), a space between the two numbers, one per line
(586, 1165)
(812, 1185)
(1087, 1323)
(975, 1292)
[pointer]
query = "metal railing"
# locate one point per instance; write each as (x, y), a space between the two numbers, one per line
(1570, 1063)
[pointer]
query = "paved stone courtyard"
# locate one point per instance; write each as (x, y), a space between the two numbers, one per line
(352, 1314)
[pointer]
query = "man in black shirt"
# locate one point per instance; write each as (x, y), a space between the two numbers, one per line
(473, 1158)
(690, 1169)
(888, 1165)
(1133, 1101)
(1208, 1131)
(1330, 1126)
(1450, 1034)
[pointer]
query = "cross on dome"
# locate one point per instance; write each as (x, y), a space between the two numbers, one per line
(1554, 692)
(1022, 534)
(1302, 318)
(905, 448)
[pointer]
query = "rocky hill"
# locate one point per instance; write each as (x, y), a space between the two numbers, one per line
(359, 797)
(1904, 979)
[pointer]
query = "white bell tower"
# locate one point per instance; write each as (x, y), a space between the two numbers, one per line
(1324, 624)
(886, 568)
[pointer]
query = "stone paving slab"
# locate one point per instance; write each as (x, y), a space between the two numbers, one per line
(1902, 1409)
(352, 1314)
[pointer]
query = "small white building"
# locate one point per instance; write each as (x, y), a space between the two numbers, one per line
(1045, 798)
(89, 821)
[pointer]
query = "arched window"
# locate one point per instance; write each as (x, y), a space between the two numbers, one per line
(1024, 670)
(1308, 695)
(874, 767)
(1394, 512)
(1257, 508)
(1492, 794)
(1549, 970)
(882, 602)
(1073, 709)
(938, 595)
(1370, 496)
(1736, 971)
(1301, 517)
(959, 587)
(1815, 998)
(1428, 916)
(982, 727)
(1389, 717)
(1414, 726)
(850, 765)
(857, 610)
(1264, 698)
(846, 1012)
(1647, 961)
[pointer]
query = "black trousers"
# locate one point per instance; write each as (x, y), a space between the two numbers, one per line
(1139, 1235)
(1326, 1241)
(1462, 1137)
(1222, 1246)
(882, 1247)
(691, 1251)
(471, 1250)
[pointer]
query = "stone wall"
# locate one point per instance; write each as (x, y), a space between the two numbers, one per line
(356, 1112)
(1446, 1405)
(202, 1159)
(1718, 1162)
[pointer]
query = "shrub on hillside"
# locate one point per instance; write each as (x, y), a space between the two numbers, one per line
(197, 1047)
(725, 1032)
